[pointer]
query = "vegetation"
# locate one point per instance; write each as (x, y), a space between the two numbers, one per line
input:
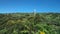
(27, 23)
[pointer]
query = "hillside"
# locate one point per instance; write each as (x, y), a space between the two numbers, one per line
(27, 23)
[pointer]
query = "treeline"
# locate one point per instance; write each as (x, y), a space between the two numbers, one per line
(27, 23)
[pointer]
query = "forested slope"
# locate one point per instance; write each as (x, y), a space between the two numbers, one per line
(27, 23)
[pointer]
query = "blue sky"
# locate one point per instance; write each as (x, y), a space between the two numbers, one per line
(11, 6)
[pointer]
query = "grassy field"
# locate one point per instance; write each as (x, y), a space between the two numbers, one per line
(28, 23)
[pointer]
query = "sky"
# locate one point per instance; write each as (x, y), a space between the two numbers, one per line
(24, 6)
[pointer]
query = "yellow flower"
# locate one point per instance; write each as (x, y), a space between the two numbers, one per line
(42, 32)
